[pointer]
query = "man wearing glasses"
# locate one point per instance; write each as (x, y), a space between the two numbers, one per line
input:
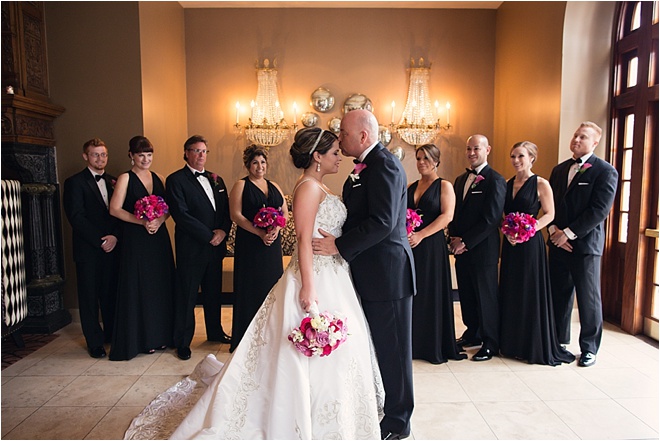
(95, 251)
(199, 205)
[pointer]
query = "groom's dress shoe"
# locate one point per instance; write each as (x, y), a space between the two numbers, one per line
(183, 353)
(465, 343)
(386, 434)
(222, 338)
(483, 354)
(587, 359)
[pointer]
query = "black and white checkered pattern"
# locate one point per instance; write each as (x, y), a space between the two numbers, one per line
(14, 290)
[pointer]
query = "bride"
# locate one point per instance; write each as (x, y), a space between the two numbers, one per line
(268, 389)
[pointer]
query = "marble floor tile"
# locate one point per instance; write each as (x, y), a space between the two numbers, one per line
(558, 385)
(622, 383)
(601, 419)
(58, 423)
(449, 421)
(495, 386)
(93, 391)
(61, 364)
(21, 365)
(13, 416)
(524, 420)
(136, 366)
(420, 366)
(144, 390)
(170, 364)
(646, 409)
(114, 423)
(27, 391)
(437, 388)
(496, 364)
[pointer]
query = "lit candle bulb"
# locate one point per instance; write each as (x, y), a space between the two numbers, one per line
(392, 112)
(448, 107)
(437, 109)
(238, 107)
(295, 110)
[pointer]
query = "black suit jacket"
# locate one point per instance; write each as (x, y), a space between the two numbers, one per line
(194, 216)
(584, 205)
(374, 239)
(477, 218)
(88, 215)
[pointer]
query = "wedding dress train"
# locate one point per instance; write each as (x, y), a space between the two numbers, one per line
(267, 389)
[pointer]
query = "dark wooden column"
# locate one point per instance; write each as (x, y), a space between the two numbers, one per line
(28, 155)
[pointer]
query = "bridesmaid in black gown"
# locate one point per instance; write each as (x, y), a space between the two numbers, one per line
(433, 333)
(143, 322)
(527, 319)
(257, 252)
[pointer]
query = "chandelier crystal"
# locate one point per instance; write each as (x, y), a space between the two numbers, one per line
(418, 124)
(267, 126)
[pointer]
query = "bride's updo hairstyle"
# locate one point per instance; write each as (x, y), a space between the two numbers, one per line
(308, 141)
(251, 152)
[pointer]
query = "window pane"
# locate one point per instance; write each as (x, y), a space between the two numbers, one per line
(629, 130)
(632, 72)
(625, 196)
(626, 174)
(637, 17)
(623, 228)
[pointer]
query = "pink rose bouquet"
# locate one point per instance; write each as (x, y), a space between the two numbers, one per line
(519, 226)
(150, 207)
(413, 220)
(319, 333)
(269, 218)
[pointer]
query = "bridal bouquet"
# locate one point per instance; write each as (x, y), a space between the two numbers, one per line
(150, 207)
(319, 333)
(519, 226)
(413, 220)
(269, 217)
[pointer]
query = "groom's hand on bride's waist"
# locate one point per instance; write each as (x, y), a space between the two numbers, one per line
(324, 246)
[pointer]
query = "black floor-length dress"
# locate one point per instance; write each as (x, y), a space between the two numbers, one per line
(144, 319)
(527, 319)
(256, 266)
(433, 333)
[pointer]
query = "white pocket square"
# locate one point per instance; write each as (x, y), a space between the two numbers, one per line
(583, 183)
(221, 190)
(477, 192)
(357, 185)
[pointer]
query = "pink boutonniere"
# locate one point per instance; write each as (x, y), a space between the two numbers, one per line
(215, 179)
(478, 179)
(113, 182)
(357, 170)
(584, 167)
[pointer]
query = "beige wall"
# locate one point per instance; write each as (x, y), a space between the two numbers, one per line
(528, 82)
(347, 51)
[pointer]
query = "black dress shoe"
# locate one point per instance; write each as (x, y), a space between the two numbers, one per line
(465, 343)
(183, 353)
(386, 434)
(587, 359)
(222, 338)
(97, 352)
(483, 354)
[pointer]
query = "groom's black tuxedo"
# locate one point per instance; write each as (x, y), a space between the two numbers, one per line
(96, 270)
(476, 220)
(198, 262)
(375, 244)
(582, 207)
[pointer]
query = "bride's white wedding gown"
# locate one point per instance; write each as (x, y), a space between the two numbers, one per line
(267, 389)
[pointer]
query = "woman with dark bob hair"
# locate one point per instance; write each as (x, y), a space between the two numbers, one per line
(257, 251)
(143, 320)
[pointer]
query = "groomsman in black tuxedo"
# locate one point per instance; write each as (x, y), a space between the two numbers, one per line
(95, 232)
(584, 188)
(375, 244)
(475, 242)
(199, 204)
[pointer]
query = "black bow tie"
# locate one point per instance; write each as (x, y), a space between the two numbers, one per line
(98, 177)
(577, 161)
(469, 170)
(198, 174)
(356, 161)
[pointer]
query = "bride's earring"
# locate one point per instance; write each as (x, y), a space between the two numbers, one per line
(318, 166)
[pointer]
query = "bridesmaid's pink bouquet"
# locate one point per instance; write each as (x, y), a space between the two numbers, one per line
(413, 220)
(319, 334)
(269, 218)
(150, 207)
(519, 226)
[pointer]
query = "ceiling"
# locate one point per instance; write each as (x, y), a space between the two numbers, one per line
(424, 4)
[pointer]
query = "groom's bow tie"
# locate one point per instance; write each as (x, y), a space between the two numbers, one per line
(577, 161)
(98, 177)
(469, 170)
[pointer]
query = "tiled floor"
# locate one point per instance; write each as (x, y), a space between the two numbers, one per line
(59, 392)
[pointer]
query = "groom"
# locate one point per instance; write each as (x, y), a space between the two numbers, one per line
(374, 243)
